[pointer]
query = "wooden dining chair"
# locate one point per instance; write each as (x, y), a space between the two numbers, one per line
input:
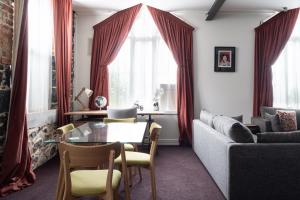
(144, 160)
(127, 147)
(89, 170)
(64, 129)
(116, 120)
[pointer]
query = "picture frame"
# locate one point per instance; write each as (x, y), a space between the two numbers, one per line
(224, 59)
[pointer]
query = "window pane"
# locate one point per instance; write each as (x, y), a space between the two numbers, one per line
(39, 55)
(286, 73)
(143, 69)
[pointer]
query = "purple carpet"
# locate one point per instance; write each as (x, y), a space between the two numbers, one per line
(179, 174)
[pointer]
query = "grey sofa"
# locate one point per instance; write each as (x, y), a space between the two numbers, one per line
(265, 124)
(248, 171)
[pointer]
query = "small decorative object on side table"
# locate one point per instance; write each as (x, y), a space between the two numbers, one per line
(138, 106)
(100, 102)
(156, 98)
(253, 128)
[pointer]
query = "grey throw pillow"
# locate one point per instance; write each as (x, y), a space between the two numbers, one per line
(275, 122)
(279, 137)
(233, 129)
(238, 118)
(207, 117)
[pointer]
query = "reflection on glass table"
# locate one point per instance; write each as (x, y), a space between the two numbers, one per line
(98, 132)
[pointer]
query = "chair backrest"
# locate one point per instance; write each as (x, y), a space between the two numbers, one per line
(154, 135)
(113, 120)
(122, 112)
(64, 129)
(84, 157)
(96, 156)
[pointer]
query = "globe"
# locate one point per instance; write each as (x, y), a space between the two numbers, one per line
(100, 102)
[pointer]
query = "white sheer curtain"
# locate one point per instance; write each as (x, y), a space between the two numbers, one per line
(144, 67)
(40, 35)
(286, 73)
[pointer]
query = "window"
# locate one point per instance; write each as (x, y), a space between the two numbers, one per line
(144, 68)
(40, 40)
(286, 73)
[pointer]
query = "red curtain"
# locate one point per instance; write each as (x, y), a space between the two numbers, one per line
(179, 37)
(270, 39)
(16, 166)
(109, 36)
(62, 12)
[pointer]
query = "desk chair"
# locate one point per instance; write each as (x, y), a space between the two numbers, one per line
(118, 113)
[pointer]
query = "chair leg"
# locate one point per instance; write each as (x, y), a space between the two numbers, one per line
(130, 176)
(108, 196)
(140, 173)
(116, 195)
(135, 149)
(153, 184)
(68, 197)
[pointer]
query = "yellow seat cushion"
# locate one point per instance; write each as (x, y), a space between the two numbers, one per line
(135, 158)
(92, 182)
(128, 147)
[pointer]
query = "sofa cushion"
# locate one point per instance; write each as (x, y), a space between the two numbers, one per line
(235, 130)
(272, 111)
(279, 137)
(207, 117)
(287, 120)
(275, 122)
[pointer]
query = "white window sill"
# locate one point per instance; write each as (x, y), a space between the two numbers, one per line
(37, 119)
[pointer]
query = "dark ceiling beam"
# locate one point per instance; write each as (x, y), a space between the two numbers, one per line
(214, 9)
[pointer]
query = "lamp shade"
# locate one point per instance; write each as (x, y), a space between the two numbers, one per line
(88, 92)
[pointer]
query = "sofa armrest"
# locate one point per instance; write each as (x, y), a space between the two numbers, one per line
(264, 171)
(212, 149)
(264, 124)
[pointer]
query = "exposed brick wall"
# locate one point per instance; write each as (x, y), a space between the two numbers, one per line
(6, 34)
(53, 84)
(6, 31)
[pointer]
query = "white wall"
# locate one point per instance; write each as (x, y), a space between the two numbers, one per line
(221, 93)
(84, 36)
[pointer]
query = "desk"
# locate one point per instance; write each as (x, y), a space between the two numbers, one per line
(253, 128)
(104, 113)
(97, 132)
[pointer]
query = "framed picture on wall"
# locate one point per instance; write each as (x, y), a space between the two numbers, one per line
(224, 59)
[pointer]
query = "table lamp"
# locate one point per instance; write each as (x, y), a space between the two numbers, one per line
(88, 93)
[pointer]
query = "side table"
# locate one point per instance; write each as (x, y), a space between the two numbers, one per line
(253, 128)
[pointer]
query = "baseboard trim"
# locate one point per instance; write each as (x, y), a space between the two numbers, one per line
(169, 142)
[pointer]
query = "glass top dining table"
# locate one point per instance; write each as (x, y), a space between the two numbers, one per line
(98, 132)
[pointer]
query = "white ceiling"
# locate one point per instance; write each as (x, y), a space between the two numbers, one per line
(177, 5)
